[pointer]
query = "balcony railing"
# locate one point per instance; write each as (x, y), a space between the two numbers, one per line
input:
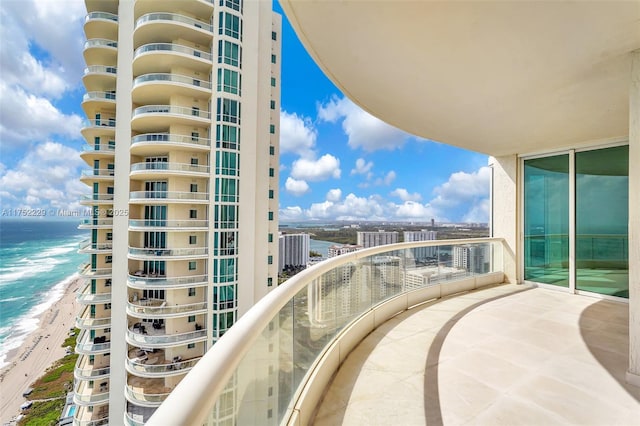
(168, 252)
(87, 271)
(145, 398)
(158, 16)
(163, 223)
(101, 42)
(162, 309)
(158, 338)
(99, 96)
(99, 422)
(88, 245)
(170, 47)
(306, 317)
(84, 345)
(171, 109)
(174, 78)
(169, 195)
(99, 148)
(102, 69)
(174, 167)
(104, 122)
(89, 223)
(142, 280)
(101, 15)
(90, 372)
(155, 138)
(141, 366)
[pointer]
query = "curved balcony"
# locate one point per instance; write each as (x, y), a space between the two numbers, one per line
(97, 101)
(149, 337)
(99, 77)
(86, 271)
(103, 24)
(87, 298)
(87, 246)
(92, 152)
(159, 309)
(148, 170)
(142, 281)
(138, 396)
(185, 225)
(85, 346)
(98, 51)
(153, 364)
(102, 127)
(134, 419)
(151, 117)
(99, 422)
(85, 371)
(92, 175)
(138, 253)
(86, 322)
(171, 26)
(96, 199)
(148, 143)
(154, 57)
(145, 197)
(96, 224)
(159, 87)
(317, 317)
(91, 399)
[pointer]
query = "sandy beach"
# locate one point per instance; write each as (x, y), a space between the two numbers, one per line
(39, 350)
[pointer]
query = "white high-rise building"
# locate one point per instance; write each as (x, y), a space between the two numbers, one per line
(293, 251)
(380, 238)
(183, 101)
(472, 258)
(422, 253)
(337, 250)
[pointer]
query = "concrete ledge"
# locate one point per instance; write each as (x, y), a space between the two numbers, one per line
(632, 379)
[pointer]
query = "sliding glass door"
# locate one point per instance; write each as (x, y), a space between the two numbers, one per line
(598, 182)
(602, 217)
(546, 220)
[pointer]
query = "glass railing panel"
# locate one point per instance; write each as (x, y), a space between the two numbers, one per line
(100, 42)
(100, 69)
(178, 167)
(149, 17)
(171, 109)
(166, 137)
(170, 47)
(109, 96)
(101, 15)
(162, 223)
(306, 315)
(175, 78)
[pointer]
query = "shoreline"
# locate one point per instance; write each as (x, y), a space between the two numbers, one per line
(40, 349)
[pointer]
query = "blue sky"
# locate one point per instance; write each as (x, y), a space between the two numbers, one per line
(337, 161)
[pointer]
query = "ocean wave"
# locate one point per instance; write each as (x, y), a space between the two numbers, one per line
(11, 299)
(21, 327)
(27, 269)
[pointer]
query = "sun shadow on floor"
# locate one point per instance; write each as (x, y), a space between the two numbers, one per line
(604, 327)
(432, 408)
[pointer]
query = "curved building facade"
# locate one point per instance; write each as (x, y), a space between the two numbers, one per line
(182, 103)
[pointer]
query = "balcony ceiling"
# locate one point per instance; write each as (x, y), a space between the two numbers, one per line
(494, 77)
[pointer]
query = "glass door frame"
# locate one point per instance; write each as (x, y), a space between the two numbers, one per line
(572, 218)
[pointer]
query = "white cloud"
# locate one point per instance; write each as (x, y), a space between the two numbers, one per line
(324, 168)
(45, 177)
(334, 194)
(404, 195)
(297, 135)
(362, 167)
(387, 179)
(363, 130)
(296, 187)
(27, 117)
(463, 198)
(53, 28)
(462, 188)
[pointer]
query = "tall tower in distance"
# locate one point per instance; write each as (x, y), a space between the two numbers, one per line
(183, 104)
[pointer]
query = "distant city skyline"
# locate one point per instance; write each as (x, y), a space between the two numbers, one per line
(337, 161)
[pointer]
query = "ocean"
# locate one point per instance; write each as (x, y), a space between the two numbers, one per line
(37, 259)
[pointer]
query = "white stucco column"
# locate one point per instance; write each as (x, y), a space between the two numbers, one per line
(504, 210)
(633, 374)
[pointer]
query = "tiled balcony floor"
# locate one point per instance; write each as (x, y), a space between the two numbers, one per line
(505, 355)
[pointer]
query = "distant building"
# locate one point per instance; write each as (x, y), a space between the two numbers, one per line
(473, 258)
(423, 235)
(337, 250)
(293, 251)
(374, 239)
